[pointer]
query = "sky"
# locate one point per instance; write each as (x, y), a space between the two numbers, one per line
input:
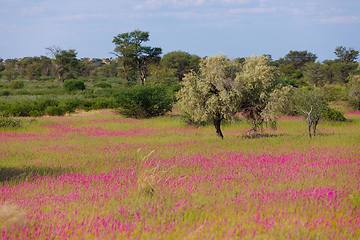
(237, 28)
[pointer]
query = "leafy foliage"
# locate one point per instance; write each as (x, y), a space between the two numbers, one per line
(143, 101)
(181, 62)
(133, 55)
(211, 95)
(17, 84)
(55, 111)
(261, 96)
(331, 114)
(73, 85)
(102, 85)
(310, 104)
(9, 121)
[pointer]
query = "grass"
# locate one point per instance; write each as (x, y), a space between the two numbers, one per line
(83, 177)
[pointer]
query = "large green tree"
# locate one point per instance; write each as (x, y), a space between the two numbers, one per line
(66, 64)
(181, 62)
(132, 54)
(298, 59)
(211, 94)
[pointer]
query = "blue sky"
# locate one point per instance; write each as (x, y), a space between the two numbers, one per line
(237, 28)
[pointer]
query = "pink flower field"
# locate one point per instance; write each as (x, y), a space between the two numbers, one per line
(101, 176)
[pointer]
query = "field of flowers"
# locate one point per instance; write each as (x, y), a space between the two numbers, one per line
(98, 175)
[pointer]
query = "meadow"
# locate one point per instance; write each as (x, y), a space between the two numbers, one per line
(98, 175)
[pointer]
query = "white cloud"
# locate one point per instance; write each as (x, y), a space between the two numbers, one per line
(339, 20)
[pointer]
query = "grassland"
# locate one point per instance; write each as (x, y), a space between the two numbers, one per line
(97, 175)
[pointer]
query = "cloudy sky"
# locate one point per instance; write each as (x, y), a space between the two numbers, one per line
(237, 28)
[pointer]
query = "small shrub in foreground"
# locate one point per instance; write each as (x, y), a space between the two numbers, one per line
(8, 121)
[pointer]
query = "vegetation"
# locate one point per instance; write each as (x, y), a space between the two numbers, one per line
(84, 177)
(98, 175)
(212, 94)
(143, 101)
(86, 84)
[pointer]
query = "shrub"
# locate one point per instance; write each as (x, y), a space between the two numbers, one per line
(87, 104)
(333, 115)
(102, 103)
(143, 101)
(55, 111)
(5, 93)
(16, 84)
(102, 85)
(73, 85)
(71, 105)
(9, 121)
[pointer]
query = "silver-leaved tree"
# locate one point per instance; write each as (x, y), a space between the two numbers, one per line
(262, 97)
(211, 94)
(224, 87)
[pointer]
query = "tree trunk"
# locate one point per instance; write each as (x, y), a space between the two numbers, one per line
(314, 127)
(309, 124)
(217, 121)
(126, 73)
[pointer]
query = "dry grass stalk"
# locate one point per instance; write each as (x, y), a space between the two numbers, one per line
(11, 216)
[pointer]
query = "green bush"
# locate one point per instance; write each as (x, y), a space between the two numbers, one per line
(5, 93)
(55, 111)
(9, 121)
(70, 105)
(143, 101)
(16, 85)
(331, 114)
(102, 103)
(25, 108)
(73, 85)
(102, 85)
(87, 105)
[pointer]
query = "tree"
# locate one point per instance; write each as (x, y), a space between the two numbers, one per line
(310, 104)
(66, 64)
(132, 54)
(353, 90)
(346, 55)
(31, 67)
(338, 71)
(211, 94)
(181, 62)
(314, 74)
(10, 72)
(261, 95)
(299, 58)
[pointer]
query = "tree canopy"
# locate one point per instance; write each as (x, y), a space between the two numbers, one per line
(181, 62)
(261, 95)
(132, 54)
(211, 94)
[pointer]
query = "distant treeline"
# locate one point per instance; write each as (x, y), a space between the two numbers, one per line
(297, 68)
(60, 82)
